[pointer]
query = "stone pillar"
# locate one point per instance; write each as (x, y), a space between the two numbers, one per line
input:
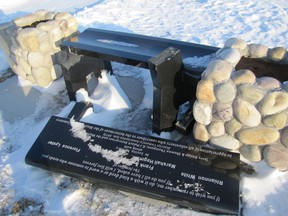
(31, 44)
(242, 102)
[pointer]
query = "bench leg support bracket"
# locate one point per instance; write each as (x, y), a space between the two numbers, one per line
(166, 72)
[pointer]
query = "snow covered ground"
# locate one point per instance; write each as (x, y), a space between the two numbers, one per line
(24, 108)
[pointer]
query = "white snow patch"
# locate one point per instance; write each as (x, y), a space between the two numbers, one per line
(24, 82)
(78, 130)
(118, 157)
(120, 43)
(198, 61)
(3, 62)
(82, 95)
(108, 94)
(32, 5)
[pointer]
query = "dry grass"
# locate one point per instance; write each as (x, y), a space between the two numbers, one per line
(27, 206)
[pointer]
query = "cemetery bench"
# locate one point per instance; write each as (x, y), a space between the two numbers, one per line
(173, 82)
(187, 175)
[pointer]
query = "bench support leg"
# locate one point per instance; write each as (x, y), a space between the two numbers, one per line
(166, 72)
(82, 72)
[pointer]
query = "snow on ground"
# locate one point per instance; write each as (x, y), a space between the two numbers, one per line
(202, 21)
(24, 108)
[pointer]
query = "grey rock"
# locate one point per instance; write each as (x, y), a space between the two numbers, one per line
(223, 111)
(276, 156)
(225, 142)
(246, 113)
(202, 113)
(258, 135)
(251, 152)
(225, 92)
(218, 71)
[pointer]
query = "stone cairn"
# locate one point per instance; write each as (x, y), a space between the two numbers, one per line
(31, 44)
(236, 111)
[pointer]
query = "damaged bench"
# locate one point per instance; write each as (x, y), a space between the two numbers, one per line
(173, 83)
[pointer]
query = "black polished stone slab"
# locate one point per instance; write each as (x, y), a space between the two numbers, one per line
(168, 89)
(128, 48)
(134, 49)
(79, 109)
(194, 177)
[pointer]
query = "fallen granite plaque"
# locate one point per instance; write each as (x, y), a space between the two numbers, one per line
(190, 176)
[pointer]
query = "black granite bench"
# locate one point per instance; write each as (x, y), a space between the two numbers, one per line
(173, 83)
